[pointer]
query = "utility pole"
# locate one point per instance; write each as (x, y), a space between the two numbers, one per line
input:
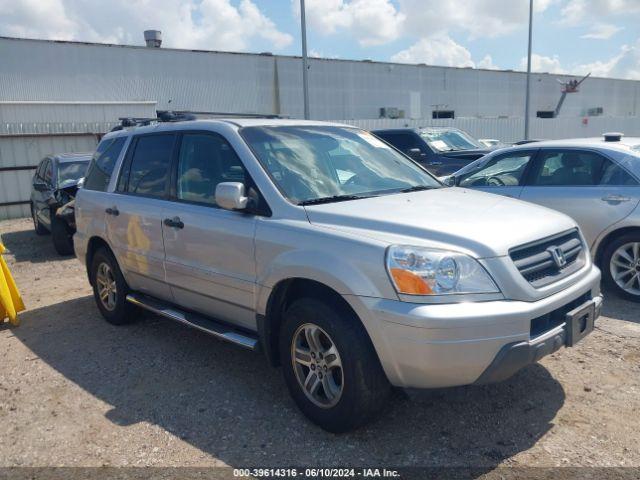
(528, 93)
(305, 66)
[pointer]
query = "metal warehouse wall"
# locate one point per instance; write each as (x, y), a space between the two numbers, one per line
(31, 130)
(233, 82)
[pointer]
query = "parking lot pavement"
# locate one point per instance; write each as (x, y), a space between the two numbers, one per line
(77, 391)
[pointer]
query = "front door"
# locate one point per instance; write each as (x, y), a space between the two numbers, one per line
(210, 261)
(135, 213)
(592, 189)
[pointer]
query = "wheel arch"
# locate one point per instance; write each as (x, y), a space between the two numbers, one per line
(93, 245)
(608, 238)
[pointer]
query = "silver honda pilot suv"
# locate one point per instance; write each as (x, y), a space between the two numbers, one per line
(341, 259)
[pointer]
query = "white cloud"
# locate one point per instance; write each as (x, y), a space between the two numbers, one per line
(542, 64)
(576, 12)
(487, 63)
(205, 24)
(602, 31)
(371, 22)
(625, 64)
(479, 18)
(436, 50)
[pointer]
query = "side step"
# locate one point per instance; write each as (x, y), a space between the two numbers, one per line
(212, 327)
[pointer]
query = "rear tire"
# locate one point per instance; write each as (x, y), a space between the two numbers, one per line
(346, 386)
(110, 289)
(621, 266)
(37, 226)
(62, 238)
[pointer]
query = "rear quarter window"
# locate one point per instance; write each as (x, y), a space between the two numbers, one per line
(102, 164)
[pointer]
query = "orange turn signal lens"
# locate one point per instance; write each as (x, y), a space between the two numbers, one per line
(407, 282)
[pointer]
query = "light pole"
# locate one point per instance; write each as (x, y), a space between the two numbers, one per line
(528, 93)
(305, 80)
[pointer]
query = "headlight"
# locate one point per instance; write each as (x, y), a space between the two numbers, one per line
(425, 271)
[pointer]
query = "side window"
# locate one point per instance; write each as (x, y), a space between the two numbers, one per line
(102, 164)
(614, 174)
(150, 165)
(569, 168)
(40, 169)
(205, 161)
(502, 171)
(403, 141)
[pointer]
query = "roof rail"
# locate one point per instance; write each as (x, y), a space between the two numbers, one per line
(220, 114)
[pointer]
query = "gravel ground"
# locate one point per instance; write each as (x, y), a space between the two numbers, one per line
(76, 391)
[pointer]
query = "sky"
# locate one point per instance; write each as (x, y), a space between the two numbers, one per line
(569, 37)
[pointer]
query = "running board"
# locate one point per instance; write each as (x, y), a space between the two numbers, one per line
(200, 322)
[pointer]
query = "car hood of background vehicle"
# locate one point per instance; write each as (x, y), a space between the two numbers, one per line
(481, 224)
(471, 154)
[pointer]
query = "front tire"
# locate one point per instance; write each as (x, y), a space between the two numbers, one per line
(621, 266)
(110, 289)
(62, 239)
(330, 366)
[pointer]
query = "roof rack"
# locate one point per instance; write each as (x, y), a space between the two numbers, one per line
(182, 116)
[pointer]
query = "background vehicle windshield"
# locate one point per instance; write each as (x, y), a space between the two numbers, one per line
(318, 162)
(70, 172)
(448, 140)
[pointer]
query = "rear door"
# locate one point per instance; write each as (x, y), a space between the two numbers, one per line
(584, 184)
(136, 210)
(42, 199)
(210, 258)
(503, 174)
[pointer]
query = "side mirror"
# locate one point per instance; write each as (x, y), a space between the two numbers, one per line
(450, 181)
(81, 183)
(40, 186)
(230, 196)
(415, 153)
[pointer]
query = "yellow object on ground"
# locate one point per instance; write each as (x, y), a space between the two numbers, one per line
(10, 301)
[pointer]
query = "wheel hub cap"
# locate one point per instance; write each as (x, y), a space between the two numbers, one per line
(317, 365)
(625, 267)
(106, 283)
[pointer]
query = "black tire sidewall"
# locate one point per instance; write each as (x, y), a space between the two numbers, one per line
(605, 265)
(122, 313)
(62, 238)
(365, 384)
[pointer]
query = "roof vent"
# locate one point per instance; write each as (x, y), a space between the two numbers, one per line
(153, 38)
(613, 136)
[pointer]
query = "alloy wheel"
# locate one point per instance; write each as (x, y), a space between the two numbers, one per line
(317, 365)
(625, 267)
(107, 289)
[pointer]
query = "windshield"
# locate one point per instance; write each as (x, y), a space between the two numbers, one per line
(70, 172)
(449, 140)
(314, 164)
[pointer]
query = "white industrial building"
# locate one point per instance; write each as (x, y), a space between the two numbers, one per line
(58, 95)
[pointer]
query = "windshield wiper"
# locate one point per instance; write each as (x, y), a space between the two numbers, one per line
(417, 188)
(334, 198)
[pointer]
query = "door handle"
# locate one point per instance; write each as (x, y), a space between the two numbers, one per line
(174, 222)
(615, 198)
(112, 211)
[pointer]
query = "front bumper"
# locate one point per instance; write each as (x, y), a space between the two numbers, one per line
(443, 345)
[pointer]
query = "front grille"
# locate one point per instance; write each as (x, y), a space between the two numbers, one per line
(552, 319)
(535, 260)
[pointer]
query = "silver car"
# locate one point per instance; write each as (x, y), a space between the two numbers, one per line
(596, 181)
(341, 259)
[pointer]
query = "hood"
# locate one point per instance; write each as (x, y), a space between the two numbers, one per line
(477, 223)
(468, 154)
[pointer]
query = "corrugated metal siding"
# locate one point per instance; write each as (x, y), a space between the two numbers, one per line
(512, 129)
(215, 81)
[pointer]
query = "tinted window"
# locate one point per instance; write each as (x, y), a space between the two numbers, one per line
(48, 171)
(504, 170)
(570, 168)
(403, 141)
(40, 170)
(205, 161)
(150, 165)
(614, 174)
(102, 164)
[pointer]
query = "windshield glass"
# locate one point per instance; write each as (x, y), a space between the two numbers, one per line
(70, 172)
(312, 164)
(449, 140)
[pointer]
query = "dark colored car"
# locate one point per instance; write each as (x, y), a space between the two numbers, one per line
(441, 150)
(54, 188)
